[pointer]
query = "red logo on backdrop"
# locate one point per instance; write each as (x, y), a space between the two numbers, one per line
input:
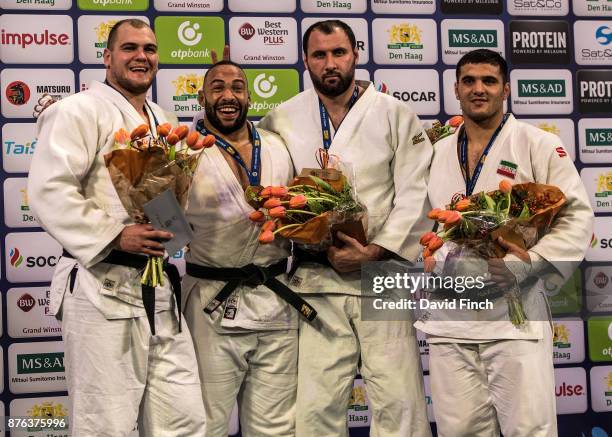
(26, 303)
(246, 31)
(18, 93)
(600, 279)
(561, 152)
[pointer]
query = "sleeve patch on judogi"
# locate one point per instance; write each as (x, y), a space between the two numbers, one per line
(561, 152)
(418, 138)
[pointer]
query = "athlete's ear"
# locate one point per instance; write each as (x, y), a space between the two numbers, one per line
(456, 91)
(106, 56)
(506, 90)
(201, 98)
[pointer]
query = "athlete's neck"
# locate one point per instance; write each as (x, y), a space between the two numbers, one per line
(136, 100)
(237, 137)
(479, 132)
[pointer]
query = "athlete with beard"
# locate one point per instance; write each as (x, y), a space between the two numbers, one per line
(383, 142)
(245, 334)
(117, 369)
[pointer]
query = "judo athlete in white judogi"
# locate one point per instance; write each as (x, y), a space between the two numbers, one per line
(486, 373)
(383, 142)
(246, 341)
(117, 371)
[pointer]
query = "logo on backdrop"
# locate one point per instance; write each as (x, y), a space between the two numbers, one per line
(489, 7)
(113, 5)
(541, 91)
(189, 40)
(405, 42)
(585, 8)
(570, 390)
(263, 40)
(192, 5)
(594, 90)
(36, 367)
(403, 7)
(462, 36)
(178, 89)
(419, 88)
(344, 6)
(17, 93)
(600, 338)
(538, 7)
(593, 42)
(539, 42)
(595, 140)
(270, 88)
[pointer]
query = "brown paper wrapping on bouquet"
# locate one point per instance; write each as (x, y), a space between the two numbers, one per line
(139, 176)
(550, 201)
(318, 228)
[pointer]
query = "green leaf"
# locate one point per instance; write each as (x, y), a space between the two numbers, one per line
(322, 184)
(490, 203)
(524, 212)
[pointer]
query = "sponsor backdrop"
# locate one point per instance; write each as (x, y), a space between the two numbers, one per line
(560, 53)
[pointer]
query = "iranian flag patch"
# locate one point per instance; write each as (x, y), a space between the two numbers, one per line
(507, 168)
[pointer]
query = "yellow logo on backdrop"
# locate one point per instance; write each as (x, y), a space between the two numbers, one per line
(187, 86)
(48, 409)
(608, 381)
(561, 335)
(604, 182)
(102, 31)
(552, 128)
(406, 35)
(358, 396)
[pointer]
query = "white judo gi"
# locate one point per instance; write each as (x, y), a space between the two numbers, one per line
(485, 373)
(384, 143)
(115, 368)
(247, 348)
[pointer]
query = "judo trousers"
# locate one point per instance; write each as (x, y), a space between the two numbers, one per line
(330, 349)
(118, 374)
(480, 388)
(256, 368)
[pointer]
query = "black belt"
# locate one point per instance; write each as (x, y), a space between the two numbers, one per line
(120, 258)
(251, 275)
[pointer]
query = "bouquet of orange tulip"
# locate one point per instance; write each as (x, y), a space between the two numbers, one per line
(519, 214)
(309, 211)
(143, 166)
(437, 131)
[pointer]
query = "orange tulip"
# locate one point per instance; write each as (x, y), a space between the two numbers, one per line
(139, 132)
(192, 139)
(463, 204)
(266, 192)
(257, 217)
(209, 141)
(429, 264)
(442, 215)
(279, 191)
(435, 243)
(270, 225)
(298, 202)
(164, 129)
(455, 121)
(433, 214)
(122, 136)
(427, 253)
(181, 131)
(272, 203)
(505, 186)
(426, 237)
(453, 217)
(172, 138)
(278, 212)
(266, 237)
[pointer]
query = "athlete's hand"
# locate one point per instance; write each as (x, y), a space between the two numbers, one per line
(500, 274)
(226, 54)
(43, 103)
(143, 240)
(349, 257)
